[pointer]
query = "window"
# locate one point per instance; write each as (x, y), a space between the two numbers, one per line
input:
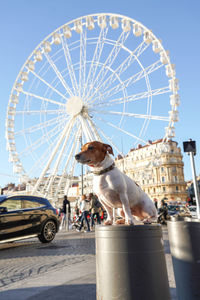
(31, 204)
(164, 188)
(162, 169)
(176, 188)
(174, 169)
(12, 204)
(163, 179)
(175, 179)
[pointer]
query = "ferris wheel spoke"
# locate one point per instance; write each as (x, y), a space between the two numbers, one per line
(58, 74)
(132, 98)
(58, 160)
(42, 98)
(39, 126)
(42, 160)
(82, 68)
(68, 125)
(71, 152)
(43, 139)
(73, 164)
(49, 85)
(139, 116)
(136, 77)
(107, 138)
(70, 66)
(95, 60)
(123, 131)
(85, 129)
(133, 56)
(40, 112)
(94, 129)
(109, 61)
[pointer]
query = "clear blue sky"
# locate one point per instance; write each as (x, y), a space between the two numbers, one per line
(24, 24)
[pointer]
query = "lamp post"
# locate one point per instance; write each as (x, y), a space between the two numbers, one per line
(190, 148)
(81, 142)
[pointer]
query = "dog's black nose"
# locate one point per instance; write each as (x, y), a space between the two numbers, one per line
(77, 156)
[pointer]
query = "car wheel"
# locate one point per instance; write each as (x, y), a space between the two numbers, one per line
(48, 232)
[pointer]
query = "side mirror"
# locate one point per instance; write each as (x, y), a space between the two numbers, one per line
(3, 209)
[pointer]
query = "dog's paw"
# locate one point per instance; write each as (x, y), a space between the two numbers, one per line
(129, 222)
(120, 221)
(108, 222)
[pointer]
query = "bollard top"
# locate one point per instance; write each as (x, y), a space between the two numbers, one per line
(184, 219)
(124, 231)
(142, 227)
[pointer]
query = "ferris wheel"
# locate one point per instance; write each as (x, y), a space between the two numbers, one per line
(100, 77)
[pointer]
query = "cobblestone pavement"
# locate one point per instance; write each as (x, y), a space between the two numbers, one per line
(64, 269)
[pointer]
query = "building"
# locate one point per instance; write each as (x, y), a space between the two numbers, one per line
(158, 169)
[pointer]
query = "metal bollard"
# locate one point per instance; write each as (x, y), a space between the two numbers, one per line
(130, 263)
(184, 239)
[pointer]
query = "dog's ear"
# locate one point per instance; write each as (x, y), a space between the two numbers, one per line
(108, 148)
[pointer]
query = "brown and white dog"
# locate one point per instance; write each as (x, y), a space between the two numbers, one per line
(113, 188)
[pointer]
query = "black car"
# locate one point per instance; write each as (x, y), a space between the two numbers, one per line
(27, 216)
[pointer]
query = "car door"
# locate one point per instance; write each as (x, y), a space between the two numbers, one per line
(33, 212)
(11, 220)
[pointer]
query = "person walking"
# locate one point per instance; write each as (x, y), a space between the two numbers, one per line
(155, 203)
(84, 207)
(66, 208)
(95, 207)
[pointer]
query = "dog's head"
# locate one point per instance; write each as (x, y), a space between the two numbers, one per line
(93, 153)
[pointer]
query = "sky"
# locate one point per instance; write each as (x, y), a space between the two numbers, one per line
(24, 24)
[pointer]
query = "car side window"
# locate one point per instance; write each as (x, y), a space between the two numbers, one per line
(12, 204)
(31, 204)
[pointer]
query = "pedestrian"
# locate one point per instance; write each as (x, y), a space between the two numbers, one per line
(66, 209)
(155, 203)
(84, 207)
(164, 208)
(95, 207)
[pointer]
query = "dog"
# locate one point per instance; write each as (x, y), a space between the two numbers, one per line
(115, 189)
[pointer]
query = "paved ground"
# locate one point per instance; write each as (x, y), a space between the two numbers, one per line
(64, 269)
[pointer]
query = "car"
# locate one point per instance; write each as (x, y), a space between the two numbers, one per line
(193, 211)
(24, 216)
(180, 210)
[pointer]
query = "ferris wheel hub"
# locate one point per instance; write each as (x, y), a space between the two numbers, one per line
(74, 106)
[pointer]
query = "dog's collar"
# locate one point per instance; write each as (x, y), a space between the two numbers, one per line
(105, 170)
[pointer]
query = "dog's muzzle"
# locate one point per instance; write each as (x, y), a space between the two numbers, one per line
(77, 156)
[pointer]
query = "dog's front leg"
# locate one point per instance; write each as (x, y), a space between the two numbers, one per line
(109, 210)
(126, 209)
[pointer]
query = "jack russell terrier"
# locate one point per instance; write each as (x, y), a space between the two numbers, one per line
(113, 188)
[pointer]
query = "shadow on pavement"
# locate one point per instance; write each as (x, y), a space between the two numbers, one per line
(63, 292)
(67, 246)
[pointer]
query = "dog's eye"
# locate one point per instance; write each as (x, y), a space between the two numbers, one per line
(90, 147)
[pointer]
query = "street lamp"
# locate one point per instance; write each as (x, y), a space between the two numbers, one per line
(190, 148)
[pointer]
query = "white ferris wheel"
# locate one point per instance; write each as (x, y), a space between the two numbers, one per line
(99, 77)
